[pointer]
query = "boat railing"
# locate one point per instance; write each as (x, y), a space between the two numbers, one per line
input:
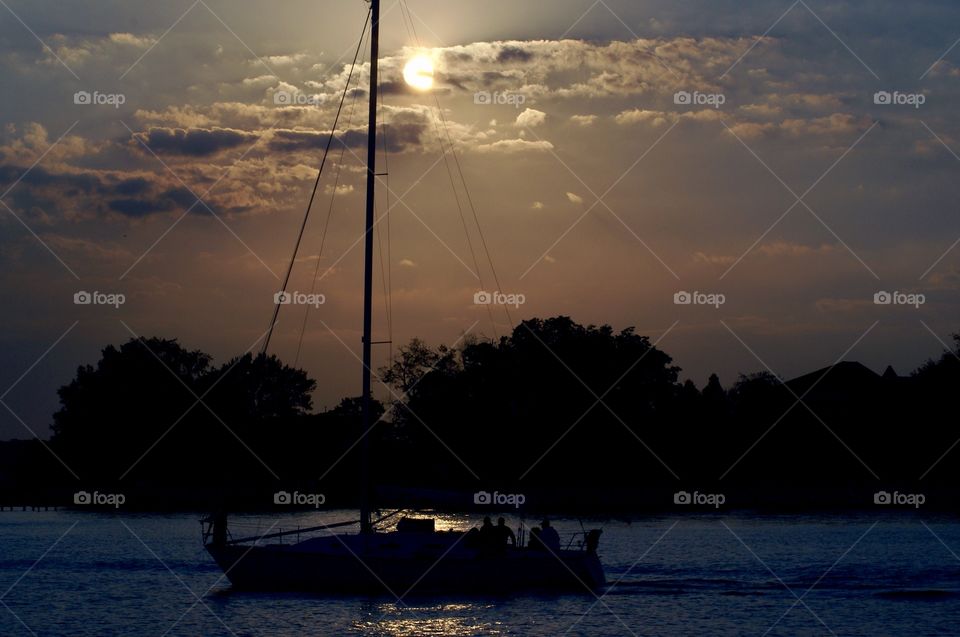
(254, 533)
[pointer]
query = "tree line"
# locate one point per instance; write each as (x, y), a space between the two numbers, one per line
(554, 405)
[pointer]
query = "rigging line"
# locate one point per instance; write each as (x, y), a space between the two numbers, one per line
(387, 276)
(386, 169)
(313, 194)
(388, 309)
(463, 180)
(389, 260)
(456, 196)
(383, 277)
(403, 15)
(326, 225)
(476, 218)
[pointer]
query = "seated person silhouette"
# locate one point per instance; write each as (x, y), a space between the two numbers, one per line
(549, 536)
(488, 534)
(505, 534)
(592, 540)
(535, 543)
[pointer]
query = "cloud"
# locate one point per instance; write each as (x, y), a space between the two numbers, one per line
(660, 118)
(583, 120)
(511, 146)
(713, 259)
(342, 189)
(574, 198)
(537, 205)
(407, 263)
(513, 53)
(194, 142)
(640, 116)
(106, 49)
(80, 194)
(174, 198)
(576, 68)
(785, 248)
(530, 118)
(129, 39)
(32, 141)
(772, 249)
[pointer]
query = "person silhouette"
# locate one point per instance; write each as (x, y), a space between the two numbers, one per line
(505, 534)
(534, 543)
(488, 533)
(549, 536)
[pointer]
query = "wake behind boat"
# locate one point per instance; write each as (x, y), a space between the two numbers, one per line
(414, 556)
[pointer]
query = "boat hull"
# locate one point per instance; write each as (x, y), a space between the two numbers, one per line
(376, 564)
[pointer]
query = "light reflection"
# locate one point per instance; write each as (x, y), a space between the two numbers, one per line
(399, 621)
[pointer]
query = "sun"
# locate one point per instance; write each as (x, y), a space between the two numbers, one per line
(418, 72)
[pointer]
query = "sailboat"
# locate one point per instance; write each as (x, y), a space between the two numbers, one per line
(413, 556)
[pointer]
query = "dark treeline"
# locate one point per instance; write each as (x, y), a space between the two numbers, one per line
(555, 406)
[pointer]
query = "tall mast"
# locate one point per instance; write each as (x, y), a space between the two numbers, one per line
(368, 270)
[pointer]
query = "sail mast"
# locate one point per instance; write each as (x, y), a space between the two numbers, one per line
(368, 270)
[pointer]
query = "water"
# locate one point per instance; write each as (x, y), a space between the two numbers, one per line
(692, 575)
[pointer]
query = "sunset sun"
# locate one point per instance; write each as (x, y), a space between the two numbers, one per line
(418, 72)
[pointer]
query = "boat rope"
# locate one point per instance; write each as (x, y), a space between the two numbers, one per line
(411, 31)
(313, 194)
(308, 529)
(386, 274)
(326, 225)
(408, 15)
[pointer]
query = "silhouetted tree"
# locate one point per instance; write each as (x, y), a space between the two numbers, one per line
(111, 414)
(493, 409)
(151, 409)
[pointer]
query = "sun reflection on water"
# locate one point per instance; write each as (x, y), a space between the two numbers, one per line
(408, 621)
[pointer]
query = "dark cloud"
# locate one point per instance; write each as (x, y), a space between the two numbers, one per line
(165, 201)
(194, 142)
(395, 87)
(511, 53)
(137, 207)
(69, 184)
(180, 197)
(92, 192)
(403, 133)
(134, 186)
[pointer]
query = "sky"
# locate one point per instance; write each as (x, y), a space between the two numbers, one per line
(784, 167)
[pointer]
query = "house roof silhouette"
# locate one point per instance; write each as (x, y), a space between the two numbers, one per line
(842, 380)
